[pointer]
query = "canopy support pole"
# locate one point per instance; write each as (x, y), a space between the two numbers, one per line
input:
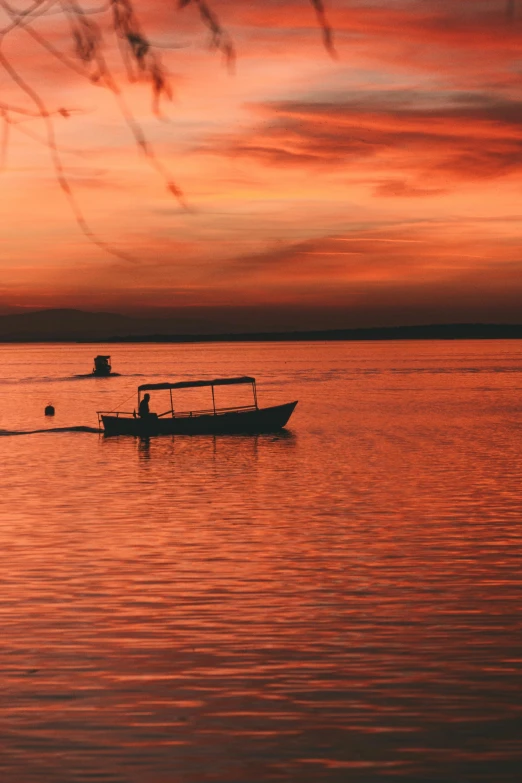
(255, 394)
(171, 405)
(213, 400)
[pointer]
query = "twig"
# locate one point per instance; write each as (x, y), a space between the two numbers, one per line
(57, 163)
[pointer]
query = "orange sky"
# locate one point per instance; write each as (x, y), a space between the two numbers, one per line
(383, 185)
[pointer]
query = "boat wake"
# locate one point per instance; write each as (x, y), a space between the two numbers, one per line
(49, 379)
(6, 433)
(65, 378)
(92, 375)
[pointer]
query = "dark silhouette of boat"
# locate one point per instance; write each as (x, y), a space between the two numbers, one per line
(248, 419)
(102, 365)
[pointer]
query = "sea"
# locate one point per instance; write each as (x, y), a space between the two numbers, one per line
(337, 602)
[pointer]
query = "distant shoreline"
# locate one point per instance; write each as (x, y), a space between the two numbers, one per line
(428, 332)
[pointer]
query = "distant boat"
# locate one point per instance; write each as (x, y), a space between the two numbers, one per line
(102, 365)
(250, 419)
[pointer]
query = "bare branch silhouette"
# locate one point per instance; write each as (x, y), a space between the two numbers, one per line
(89, 38)
(56, 159)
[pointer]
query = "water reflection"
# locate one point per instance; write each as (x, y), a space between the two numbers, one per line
(168, 448)
(143, 448)
(339, 602)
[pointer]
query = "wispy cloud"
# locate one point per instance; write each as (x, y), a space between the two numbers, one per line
(389, 173)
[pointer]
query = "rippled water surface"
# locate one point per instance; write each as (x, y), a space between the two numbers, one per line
(339, 602)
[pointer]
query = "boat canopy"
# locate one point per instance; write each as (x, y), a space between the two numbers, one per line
(190, 384)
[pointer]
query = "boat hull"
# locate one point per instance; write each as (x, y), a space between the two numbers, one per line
(230, 423)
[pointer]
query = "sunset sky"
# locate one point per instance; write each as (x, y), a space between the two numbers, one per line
(380, 186)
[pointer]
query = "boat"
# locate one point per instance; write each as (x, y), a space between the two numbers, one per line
(248, 419)
(102, 365)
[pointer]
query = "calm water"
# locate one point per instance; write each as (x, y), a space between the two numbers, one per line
(337, 603)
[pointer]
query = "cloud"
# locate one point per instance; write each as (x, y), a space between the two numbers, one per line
(396, 188)
(309, 180)
(446, 137)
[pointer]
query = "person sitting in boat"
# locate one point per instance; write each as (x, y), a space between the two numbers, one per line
(143, 411)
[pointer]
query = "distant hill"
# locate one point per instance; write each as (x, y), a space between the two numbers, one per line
(80, 326)
(428, 332)
(67, 325)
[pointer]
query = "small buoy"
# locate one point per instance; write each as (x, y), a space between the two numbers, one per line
(49, 410)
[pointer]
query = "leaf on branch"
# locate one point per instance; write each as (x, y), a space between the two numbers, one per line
(230, 55)
(219, 38)
(160, 85)
(178, 193)
(140, 46)
(122, 13)
(175, 189)
(87, 40)
(327, 30)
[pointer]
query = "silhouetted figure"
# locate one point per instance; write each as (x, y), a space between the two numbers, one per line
(102, 365)
(49, 410)
(144, 411)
